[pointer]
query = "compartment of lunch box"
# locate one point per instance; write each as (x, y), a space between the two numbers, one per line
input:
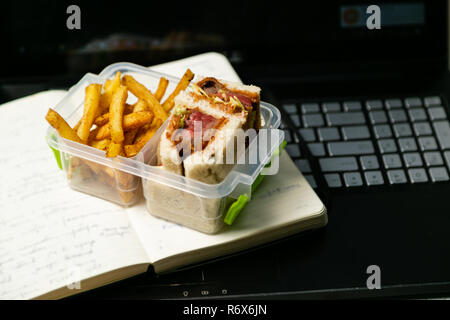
(87, 169)
(198, 205)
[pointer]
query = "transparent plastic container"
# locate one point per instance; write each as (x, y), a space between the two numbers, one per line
(87, 169)
(169, 196)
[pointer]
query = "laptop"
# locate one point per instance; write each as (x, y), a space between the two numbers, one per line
(366, 117)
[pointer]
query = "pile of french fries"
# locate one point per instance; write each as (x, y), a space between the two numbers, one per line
(110, 124)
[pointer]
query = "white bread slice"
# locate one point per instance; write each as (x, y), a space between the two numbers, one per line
(209, 165)
(168, 155)
(234, 86)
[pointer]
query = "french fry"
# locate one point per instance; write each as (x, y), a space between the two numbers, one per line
(133, 149)
(127, 196)
(162, 86)
(183, 84)
(101, 144)
(131, 121)
(104, 118)
(92, 135)
(143, 130)
(109, 88)
(75, 128)
(116, 114)
(107, 84)
(63, 128)
(129, 136)
(91, 105)
(139, 106)
(114, 150)
(140, 91)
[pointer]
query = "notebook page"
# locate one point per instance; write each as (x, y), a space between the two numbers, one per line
(280, 200)
(50, 235)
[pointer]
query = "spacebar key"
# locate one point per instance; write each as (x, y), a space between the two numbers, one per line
(350, 148)
(338, 164)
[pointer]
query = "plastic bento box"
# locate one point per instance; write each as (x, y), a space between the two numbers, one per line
(185, 201)
(203, 206)
(87, 169)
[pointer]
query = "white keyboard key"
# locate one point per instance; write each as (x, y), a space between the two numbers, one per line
(374, 105)
(369, 162)
(413, 102)
(442, 129)
(303, 165)
(345, 118)
(328, 134)
(412, 159)
(417, 175)
(333, 180)
(392, 161)
(293, 150)
(350, 148)
(311, 180)
(432, 101)
(422, 128)
(407, 144)
(296, 120)
(417, 114)
(310, 107)
(387, 145)
(374, 178)
(290, 108)
(397, 176)
(437, 113)
(398, 116)
(433, 159)
(352, 105)
(393, 103)
(355, 132)
(402, 130)
(438, 174)
(353, 179)
(338, 164)
(377, 117)
(382, 131)
(307, 135)
(447, 158)
(427, 143)
(316, 149)
(313, 120)
(331, 107)
(287, 136)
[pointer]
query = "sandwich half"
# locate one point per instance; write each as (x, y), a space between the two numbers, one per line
(203, 128)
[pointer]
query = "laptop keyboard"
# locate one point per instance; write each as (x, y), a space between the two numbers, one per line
(370, 143)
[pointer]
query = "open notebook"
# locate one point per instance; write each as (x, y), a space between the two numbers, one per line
(51, 237)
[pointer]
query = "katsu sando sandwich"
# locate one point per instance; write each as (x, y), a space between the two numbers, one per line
(202, 128)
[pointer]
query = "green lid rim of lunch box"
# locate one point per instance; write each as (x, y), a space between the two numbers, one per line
(56, 153)
(237, 206)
